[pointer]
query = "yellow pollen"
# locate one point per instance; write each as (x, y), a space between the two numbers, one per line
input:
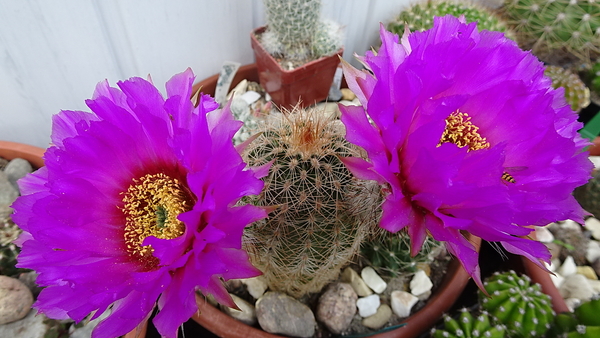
(462, 132)
(151, 206)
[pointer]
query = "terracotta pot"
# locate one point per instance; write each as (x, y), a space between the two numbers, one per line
(11, 150)
(305, 85)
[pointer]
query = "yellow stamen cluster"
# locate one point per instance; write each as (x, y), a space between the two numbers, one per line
(151, 206)
(462, 132)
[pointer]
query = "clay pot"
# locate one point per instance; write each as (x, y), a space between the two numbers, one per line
(303, 86)
(11, 150)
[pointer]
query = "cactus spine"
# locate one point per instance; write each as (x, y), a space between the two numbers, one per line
(390, 252)
(324, 212)
(576, 93)
(295, 30)
(514, 302)
(419, 17)
(469, 327)
(549, 27)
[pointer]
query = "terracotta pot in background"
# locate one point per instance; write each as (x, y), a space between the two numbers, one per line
(11, 150)
(305, 85)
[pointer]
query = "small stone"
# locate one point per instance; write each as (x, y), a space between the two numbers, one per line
(245, 314)
(360, 287)
(256, 286)
(569, 224)
(239, 89)
(16, 169)
(402, 303)
(420, 283)
(337, 307)
(347, 94)
(281, 314)
(595, 284)
(576, 286)
(568, 267)
(587, 271)
(15, 299)
(32, 326)
(593, 251)
(373, 280)
(8, 193)
(350, 103)
(28, 278)
(557, 279)
(334, 94)
(592, 224)
(544, 235)
(379, 319)
(367, 306)
(572, 303)
(425, 267)
(554, 249)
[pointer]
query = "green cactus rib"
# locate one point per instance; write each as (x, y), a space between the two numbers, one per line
(576, 93)
(419, 17)
(514, 302)
(548, 27)
(468, 326)
(324, 213)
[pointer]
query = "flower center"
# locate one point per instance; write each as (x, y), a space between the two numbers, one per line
(151, 206)
(462, 132)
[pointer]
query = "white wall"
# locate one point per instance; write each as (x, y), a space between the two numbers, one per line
(52, 53)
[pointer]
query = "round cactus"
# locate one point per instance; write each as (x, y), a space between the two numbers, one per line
(576, 93)
(516, 303)
(323, 212)
(584, 322)
(469, 327)
(419, 17)
(549, 27)
(390, 252)
(588, 195)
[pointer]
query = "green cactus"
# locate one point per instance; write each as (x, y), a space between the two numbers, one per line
(576, 93)
(468, 327)
(556, 30)
(295, 30)
(419, 17)
(584, 322)
(390, 252)
(595, 76)
(588, 195)
(324, 212)
(514, 302)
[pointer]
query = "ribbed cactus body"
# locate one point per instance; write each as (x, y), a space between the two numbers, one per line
(295, 30)
(390, 252)
(548, 27)
(467, 326)
(576, 93)
(419, 17)
(324, 213)
(584, 322)
(517, 304)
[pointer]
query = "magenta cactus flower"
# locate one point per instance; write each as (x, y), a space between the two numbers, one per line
(137, 207)
(465, 134)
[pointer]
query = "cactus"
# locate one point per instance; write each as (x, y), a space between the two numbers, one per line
(584, 322)
(468, 327)
(295, 30)
(324, 212)
(588, 195)
(390, 252)
(514, 302)
(563, 30)
(576, 93)
(419, 17)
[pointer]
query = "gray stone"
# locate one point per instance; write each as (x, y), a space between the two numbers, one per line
(576, 286)
(8, 193)
(16, 169)
(379, 319)
(15, 299)
(337, 307)
(32, 326)
(281, 314)
(246, 313)
(28, 278)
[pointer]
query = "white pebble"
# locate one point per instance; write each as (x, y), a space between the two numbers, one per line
(576, 286)
(420, 283)
(256, 286)
(544, 235)
(373, 280)
(593, 251)
(593, 225)
(568, 267)
(557, 279)
(367, 306)
(402, 303)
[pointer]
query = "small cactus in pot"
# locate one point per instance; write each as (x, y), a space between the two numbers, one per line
(468, 326)
(323, 213)
(576, 92)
